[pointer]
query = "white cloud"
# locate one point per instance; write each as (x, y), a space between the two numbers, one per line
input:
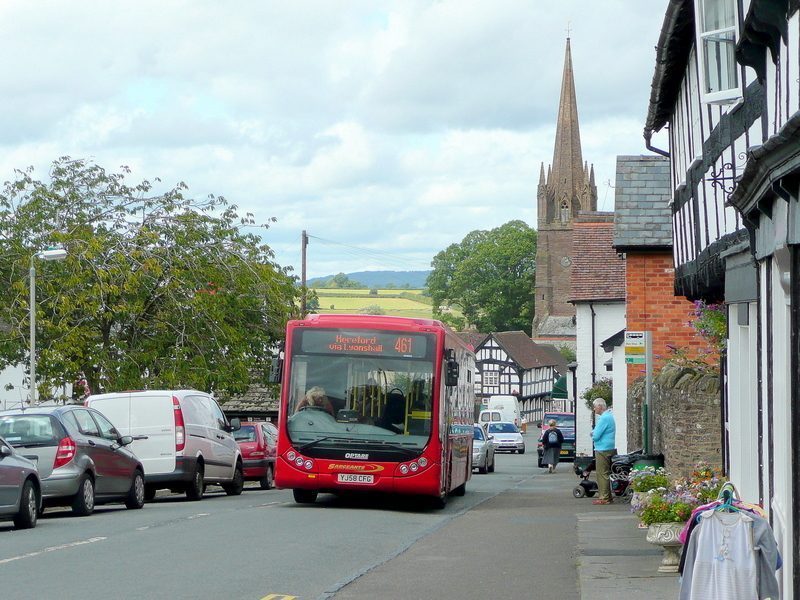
(397, 127)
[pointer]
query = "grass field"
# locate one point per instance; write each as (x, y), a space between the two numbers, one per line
(353, 301)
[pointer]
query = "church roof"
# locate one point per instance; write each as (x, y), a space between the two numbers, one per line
(642, 217)
(567, 157)
(598, 272)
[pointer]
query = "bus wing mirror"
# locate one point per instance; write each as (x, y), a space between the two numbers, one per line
(451, 376)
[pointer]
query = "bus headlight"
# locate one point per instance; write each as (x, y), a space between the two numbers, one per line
(414, 467)
(299, 461)
(404, 469)
(290, 456)
(308, 465)
(423, 462)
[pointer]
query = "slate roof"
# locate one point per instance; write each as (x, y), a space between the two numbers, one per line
(618, 339)
(472, 338)
(256, 399)
(598, 272)
(642, 216)
(557, 359)
(524, 351)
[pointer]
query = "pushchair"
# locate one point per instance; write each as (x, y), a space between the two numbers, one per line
(621, 466)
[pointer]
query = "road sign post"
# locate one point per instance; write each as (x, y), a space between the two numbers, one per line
(639, 351)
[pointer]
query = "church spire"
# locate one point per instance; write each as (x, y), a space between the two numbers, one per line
(568, 169)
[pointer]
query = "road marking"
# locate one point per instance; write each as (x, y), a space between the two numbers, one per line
(52, 549)
(198, 515)
(278, 597)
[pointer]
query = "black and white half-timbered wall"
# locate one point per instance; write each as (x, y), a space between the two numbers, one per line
(727, 88)
(510, 363)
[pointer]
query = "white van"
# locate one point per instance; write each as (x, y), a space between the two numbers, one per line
(508, 406)
(182, 438)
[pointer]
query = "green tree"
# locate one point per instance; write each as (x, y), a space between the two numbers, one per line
(342, 281)
(489, 275)
(157, 290)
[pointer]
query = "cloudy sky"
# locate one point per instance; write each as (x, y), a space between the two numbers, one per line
(387, 130)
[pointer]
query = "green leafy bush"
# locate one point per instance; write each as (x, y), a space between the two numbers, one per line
(649, 478)
(602, 388)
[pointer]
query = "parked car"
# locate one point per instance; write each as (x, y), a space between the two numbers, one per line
(566, 423)
(182, 437)
(20, 489)
(507, 437)
(81, 457)
(258, 441)
(482, 450)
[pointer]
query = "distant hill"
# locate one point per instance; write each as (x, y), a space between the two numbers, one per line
(383, 279)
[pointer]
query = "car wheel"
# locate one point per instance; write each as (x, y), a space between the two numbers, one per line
(235, 487)
(521, 450)
(484, 469)
(195, 489)
(579, 492)
(28, 507)
(135, 497)
(304, 496)
(267, 482)
(491, 466)
(83, 504)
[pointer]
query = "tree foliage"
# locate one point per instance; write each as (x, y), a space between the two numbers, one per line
(489, 276)
(157, 290)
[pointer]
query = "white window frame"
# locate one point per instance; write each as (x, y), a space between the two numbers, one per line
(491, 379)
(722, 96)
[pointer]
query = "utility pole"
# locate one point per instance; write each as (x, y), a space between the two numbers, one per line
(303, 288)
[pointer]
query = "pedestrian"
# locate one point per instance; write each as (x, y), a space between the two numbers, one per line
(552, 438)
(604, 437)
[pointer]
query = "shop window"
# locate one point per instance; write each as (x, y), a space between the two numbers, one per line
(716, 22)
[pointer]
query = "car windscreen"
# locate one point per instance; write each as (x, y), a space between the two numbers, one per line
(477, 433)
(357, 389)
(503, 428)
(247, 433)
(30, 430)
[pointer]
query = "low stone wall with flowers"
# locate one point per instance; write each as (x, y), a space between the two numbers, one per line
(687, 417)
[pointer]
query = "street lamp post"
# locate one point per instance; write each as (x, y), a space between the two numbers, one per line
(52, 254)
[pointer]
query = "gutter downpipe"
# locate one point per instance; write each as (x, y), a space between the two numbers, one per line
(648, 135)
(594, 315)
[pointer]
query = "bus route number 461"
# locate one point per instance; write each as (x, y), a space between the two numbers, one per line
(403, 345)
(355, 478)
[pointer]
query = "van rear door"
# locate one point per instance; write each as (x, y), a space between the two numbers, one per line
(143, 414)
(153, 415)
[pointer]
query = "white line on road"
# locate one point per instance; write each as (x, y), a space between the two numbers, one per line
(52, 549)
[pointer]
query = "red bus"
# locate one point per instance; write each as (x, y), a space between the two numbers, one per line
(375, 403)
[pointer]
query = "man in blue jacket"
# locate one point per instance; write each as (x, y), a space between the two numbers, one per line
(604, 437)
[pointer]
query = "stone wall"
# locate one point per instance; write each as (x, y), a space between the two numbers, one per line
(687, 420)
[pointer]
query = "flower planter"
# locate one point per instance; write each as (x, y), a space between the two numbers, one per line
(666, 536)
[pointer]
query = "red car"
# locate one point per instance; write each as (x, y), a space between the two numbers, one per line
(258, 441)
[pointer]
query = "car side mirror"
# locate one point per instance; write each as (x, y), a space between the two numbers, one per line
(236, 424)
(491, 437)
(5, 451)
(125, 440)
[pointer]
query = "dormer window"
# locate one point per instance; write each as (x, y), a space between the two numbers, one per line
(716, 22)
(564, 211)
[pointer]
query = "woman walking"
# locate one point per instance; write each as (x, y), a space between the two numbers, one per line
(552, 439)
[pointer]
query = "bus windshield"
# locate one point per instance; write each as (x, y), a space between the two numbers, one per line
(360, 390)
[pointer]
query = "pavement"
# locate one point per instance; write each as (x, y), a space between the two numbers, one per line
(615, 560)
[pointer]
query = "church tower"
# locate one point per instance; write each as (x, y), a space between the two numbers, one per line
(567, 189)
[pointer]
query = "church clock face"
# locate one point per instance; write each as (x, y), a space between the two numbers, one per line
(566, 261)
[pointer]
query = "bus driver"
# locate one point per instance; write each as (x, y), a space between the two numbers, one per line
(316, 397)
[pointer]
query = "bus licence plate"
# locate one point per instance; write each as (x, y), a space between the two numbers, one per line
(355, 478)
(565, 452)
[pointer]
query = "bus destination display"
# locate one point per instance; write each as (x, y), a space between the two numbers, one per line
(361, 342)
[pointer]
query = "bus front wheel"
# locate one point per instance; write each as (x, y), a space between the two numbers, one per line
(304, 496)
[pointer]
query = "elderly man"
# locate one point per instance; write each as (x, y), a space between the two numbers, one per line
(604, 437)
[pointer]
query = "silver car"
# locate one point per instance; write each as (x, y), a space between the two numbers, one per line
(507, 437)
(482, 450)
(20, 491)
(81, 458)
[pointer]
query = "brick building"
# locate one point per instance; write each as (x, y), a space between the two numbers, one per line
(567, 189)
(643, 233)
